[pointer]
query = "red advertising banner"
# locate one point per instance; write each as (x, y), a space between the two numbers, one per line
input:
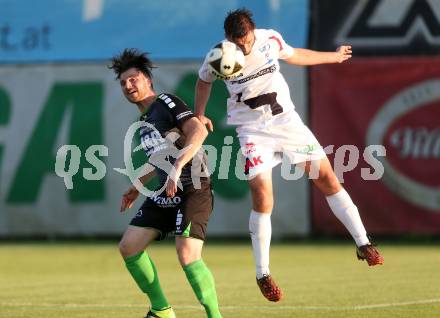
(393, 102)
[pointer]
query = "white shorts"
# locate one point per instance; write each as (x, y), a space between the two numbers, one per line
(265, 144)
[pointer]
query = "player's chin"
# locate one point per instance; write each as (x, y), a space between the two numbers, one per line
(133, 98)
(136, 100)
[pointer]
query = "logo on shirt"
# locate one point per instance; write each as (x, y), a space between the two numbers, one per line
(267, 70)
(159, 160)
(166, 202)
(152, 141)
(264, 48)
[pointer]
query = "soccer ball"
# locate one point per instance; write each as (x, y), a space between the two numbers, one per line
(225, 60)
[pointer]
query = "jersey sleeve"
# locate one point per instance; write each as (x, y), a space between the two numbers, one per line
(284, 50)
(177, 108)
(205, 73)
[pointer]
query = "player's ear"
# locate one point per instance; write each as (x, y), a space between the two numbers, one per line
(150, 82)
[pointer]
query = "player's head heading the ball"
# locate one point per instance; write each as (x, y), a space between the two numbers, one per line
(239, 27)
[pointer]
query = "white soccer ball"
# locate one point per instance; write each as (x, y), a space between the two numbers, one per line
(226, 60)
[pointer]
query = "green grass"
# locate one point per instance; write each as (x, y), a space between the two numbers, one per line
(318, 280)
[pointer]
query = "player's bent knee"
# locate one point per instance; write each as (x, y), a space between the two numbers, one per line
(187, 256)
(126, 249)
(123, 248)
(328, 183)
(188, 250)
(185, 260)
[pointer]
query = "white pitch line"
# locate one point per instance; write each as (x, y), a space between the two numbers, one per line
(273, 307)
(404, 303)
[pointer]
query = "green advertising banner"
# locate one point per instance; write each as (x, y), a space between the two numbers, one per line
(78, 113)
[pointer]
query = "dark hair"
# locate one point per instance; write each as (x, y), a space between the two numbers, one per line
(132, 58)
(238, 23)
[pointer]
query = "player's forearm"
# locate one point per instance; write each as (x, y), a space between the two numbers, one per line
(310, 57)
(143, 179)
(196, 134)
(203, 90)
(147, 177)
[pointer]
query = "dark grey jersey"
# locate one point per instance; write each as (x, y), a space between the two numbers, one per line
(162, 138)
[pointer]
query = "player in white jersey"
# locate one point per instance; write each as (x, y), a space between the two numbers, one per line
(259, 77)
(269, 128)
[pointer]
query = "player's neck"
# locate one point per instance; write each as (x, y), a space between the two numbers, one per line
(146, 102)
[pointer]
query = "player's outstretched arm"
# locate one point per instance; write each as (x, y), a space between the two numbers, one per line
(311, 57)
(202, 93)
(196, 134)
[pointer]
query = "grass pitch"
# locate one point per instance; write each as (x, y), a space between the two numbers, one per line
(318, 280)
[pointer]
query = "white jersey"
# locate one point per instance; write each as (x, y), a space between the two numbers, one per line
(260, 91)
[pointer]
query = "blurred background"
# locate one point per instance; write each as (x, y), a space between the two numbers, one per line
(56, 89)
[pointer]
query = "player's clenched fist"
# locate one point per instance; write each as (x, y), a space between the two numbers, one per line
(344, 53)
(206, 121)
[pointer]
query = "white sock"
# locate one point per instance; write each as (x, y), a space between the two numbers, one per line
(260, 228)
(345, 210)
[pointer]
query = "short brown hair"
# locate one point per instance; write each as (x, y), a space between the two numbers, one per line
(238, 23)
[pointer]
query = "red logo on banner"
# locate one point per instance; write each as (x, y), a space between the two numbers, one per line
(396, 103)
(409, 129)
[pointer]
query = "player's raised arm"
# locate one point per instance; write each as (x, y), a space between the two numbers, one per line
(202, 93)
(195, 133)
(311, 57)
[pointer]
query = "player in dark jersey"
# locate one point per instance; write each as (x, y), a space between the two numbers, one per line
(185, 202)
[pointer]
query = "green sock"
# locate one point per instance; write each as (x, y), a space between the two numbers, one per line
(142, 268)
(202, 282)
